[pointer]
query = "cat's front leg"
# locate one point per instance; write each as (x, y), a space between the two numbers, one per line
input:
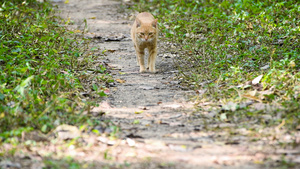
(151, 59)
(137, 57)
(141, 59)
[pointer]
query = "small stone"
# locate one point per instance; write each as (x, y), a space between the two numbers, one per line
(146, 87)
(265, 67)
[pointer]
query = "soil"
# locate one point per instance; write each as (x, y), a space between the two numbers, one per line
(158, 128)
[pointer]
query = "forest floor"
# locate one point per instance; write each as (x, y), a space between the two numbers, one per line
(155, 114)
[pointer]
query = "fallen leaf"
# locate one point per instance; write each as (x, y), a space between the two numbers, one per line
(67, 1)
(138, 112)
(252, 93)
(111, 50)
(136, 121)
(258, 162)
(250, 26)
(281, 124)
(77, 31)
(92, 17)
(257, 80)
(130, 142)
(120, 81)
(252, 97)
(148, 115)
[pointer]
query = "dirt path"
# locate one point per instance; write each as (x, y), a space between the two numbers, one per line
(151, 109)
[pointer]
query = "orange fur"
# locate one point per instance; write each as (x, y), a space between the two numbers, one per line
(144, 34)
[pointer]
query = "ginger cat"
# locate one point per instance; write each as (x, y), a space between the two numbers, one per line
(144, 34)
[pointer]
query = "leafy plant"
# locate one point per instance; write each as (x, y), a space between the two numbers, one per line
(46, 71)
(223, 45)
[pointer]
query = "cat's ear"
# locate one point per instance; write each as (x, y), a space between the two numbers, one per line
(154, 23)
(138, 22)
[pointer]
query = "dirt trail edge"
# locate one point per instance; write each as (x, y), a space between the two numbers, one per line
(151, 109)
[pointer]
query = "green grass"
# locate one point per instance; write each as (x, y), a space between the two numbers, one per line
(42, 78)
(224, 44)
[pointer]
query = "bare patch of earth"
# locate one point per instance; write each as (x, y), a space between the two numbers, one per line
(159, 128)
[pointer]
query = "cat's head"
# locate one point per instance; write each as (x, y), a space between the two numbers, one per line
(146, 31)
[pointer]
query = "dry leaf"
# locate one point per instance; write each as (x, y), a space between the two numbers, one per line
(249, 25)
(281, 124)
(292, 64)
(92, 17)
(257, 80)
(252, 97)
(120, 81)
(148, 115)
(252, 93)
(77, 31)
(111, 50)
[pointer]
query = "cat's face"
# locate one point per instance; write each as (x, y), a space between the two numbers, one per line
(146, 34)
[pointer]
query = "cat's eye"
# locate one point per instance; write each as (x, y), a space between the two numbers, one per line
(151, 33)
(142, 34)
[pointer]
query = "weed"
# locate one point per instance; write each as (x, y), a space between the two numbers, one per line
(47, 77)
(223, 44)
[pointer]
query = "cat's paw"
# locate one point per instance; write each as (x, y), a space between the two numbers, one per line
(152, 70)
(142, 70)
